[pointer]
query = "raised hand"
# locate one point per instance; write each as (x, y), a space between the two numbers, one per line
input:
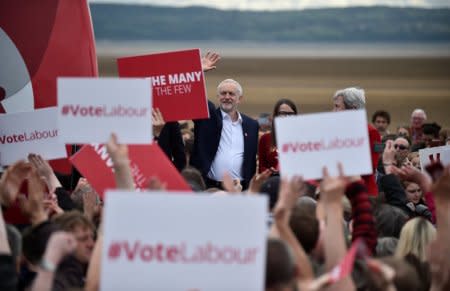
(51, 207)
(231, 185)
(209, 61)
(441, 188)
(157, 121)
(117, 152)
(410, 173)
(44, 170)
(119, 156)
(33, 205)
(388, 157)
(333, 188)
(290, 191)
(11, 181)
(59, 245)
(155, 184)
(257, 181)
(90, 206)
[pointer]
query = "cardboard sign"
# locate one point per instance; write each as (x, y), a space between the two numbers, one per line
(30, 132)
(177, 79)
(154, 241)
(437, 154)
(89, 110)
(307, 143)
(94, 163)
(55, 40)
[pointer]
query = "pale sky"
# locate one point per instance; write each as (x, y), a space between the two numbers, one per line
(285, 4)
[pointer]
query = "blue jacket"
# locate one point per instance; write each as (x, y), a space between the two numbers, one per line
(207, 133)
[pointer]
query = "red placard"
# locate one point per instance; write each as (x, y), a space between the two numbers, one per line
(146, 161)
(40, 41)
(177, 79)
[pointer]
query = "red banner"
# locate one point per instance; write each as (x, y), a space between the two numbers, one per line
(177, 80)
(40, 41)
(146, 161)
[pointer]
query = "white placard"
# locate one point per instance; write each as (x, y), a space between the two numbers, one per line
(90, 109)
(437, 153)
(307, 143)
(180, 241)
(30, 132)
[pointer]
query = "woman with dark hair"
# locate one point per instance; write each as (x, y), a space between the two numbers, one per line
(267, 149)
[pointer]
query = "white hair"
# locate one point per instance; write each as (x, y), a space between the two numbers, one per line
(354, 98)
(419, 111)
(238, 86)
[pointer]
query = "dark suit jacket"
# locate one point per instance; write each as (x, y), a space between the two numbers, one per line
(207, 133)
(171, 142)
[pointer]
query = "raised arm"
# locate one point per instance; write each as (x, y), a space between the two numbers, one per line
(119, 155)
(209, 61)
(289, 193)
(439, 249)
(33, 205)
(59, 245)
(332, 192)
(44, 170)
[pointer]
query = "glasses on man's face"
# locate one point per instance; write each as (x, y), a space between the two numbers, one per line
(400, 147)
(285, 113)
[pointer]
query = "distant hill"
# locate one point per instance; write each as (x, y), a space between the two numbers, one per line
(362, 24)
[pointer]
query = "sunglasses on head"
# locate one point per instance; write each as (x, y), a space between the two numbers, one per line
(400, 147)
(285, 113)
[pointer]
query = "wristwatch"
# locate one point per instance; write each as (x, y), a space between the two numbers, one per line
(47, 265)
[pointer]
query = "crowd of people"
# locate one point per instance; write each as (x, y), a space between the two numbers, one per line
(400, 213)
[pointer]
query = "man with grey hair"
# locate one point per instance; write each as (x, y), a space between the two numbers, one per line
(227, 141)
(349, 98)
(354, 98)
(418, 117)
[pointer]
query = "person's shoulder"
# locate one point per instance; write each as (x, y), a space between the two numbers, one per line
(266, 136)
(248, 119)
(373, 133)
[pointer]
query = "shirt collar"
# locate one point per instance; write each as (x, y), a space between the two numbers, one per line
(226, 116)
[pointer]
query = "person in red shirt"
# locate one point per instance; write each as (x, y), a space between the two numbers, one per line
(351, 99)
(267, 148)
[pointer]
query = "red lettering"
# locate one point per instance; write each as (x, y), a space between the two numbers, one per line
(131, 253)
(146, 253)
(172, 254)
(159, 250)
(98, 111)
(74, 109)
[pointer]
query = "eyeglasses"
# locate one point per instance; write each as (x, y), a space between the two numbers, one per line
(400, 147)
(285, 113)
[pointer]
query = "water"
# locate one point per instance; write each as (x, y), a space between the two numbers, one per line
(277, 49)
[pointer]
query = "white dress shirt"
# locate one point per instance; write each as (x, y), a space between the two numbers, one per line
(230, 154)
